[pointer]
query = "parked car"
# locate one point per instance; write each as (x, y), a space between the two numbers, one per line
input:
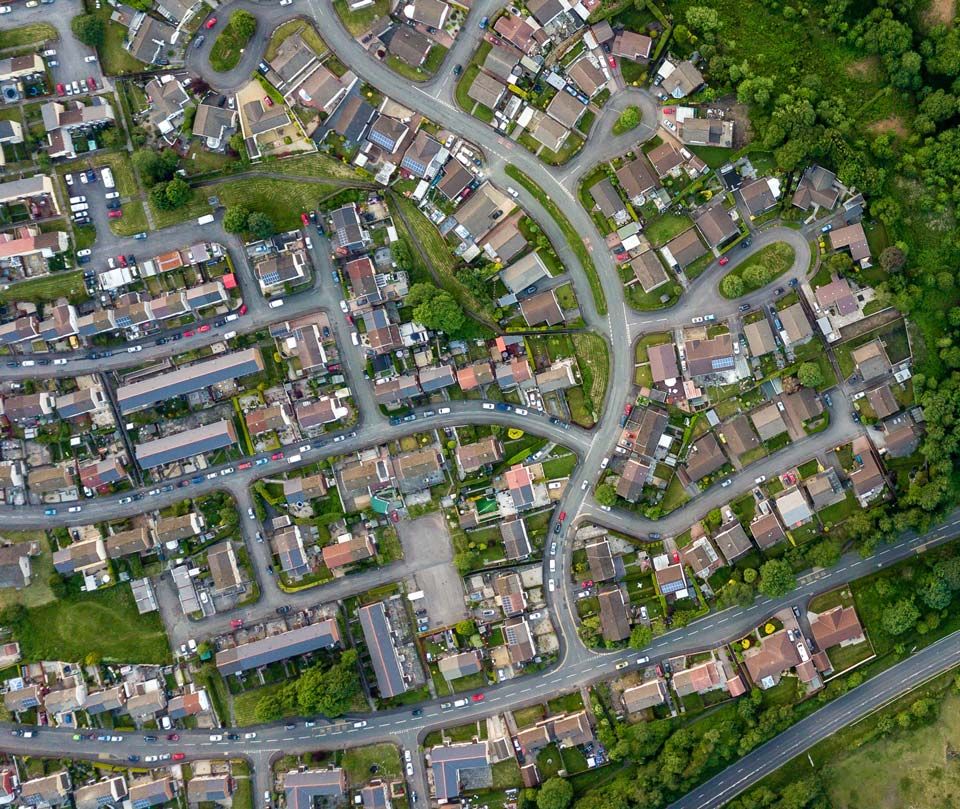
(210, 23)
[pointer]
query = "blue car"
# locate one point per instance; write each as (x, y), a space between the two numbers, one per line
(49, 512)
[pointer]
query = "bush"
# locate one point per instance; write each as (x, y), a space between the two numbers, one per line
(629, 119)
(89, 29)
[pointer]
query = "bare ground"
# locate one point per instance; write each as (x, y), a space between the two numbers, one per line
(940, 11)
(893, 124)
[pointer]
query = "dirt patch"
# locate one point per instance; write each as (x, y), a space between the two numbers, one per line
(940, 12)
(864, 68)
(894, 124)
(739, 113)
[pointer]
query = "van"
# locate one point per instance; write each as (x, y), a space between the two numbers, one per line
(553, 565)
(355, 338)
(276, 304)
(231, 318)
(553, 585)
(81, 207)
(461, 703)
(229, 335)
(294, 459)
(75, 200)
(27, 364)
(107, 177)
(205, 220)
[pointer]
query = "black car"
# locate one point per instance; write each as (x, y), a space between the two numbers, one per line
(417, 712)
(233, 736)
(746, 243)
(556, 528)
(744, 307)
(161, 341)
(457, 70)
(283, 610)
(150, 738)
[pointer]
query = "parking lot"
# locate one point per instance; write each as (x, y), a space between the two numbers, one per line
(427, 538)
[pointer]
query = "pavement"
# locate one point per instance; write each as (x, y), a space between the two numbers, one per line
(577, 666)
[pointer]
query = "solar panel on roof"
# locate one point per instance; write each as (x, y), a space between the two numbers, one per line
(722, 362)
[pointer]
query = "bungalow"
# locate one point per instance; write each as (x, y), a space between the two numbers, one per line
(509, 590)
(152, 792)
(454, 765)
(760, 338)
(289, 548)
(167, 102)
(793, 507)
(714, 132)
(50, 790)
(224, 568)
(775, 655)
(174, 529)
(671, 578)
(632, 480)
(566, 109)
(818, 188)
(702, 558)
(871, 360)
(631, 45)
(188, 444)
(471, 377)
(455, 180)
(81, 557)
(267, 419)
(518, 31)
(587, 76)
(500, 62)
(464, 664)
(486, 90)
(824, 489)
(515, 538)
(436, 378)
(681, 251)
(348, 550)
(519, 641)
(739, 435)
(679, 79)
(716, 225)
(636, 179)
(767, 531)
(760, 195)
(545, 11)
(422, 157)
(852, 239)
(648, 695)
(705, 458)
(600, 560)
(409, 45)
(431, 13)
(838, 626)
(282, 646)
(524, 273)
(476, 456)
(378, 637)
(549, 133)
(111, 790)
(606, 198)
(419, 470)
(663, 363)
(796, 327)
(836, 295)
(699, 679)
(210, 789)
(733, 541)
(304, 789)
(614, 614)
(803, 405)
(883, 402)
(479, 214)
(768, 421)
(513, 373)
(665, 160)
(542, 308)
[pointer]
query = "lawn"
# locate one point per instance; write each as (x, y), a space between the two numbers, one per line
(307, 32)
(526, 717)
(662, 229)
(594, 361)
(245, 703)
(560, 467)
(114, 58)
(360, 761)
(47, 288)
(32, 34)
(358, 22)
(42, 568)
(228, 48)
(105, 622)
(777, 258)
(134, 219)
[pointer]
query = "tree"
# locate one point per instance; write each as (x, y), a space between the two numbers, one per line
(755, 276)
(732, 286)
(269, 708)
(892, 259)
(641, 636)
(466, 628)
(809, 375)
(243, 23)
(629, 119)
(58, 585)
(750, 575)
(605, 494)
(934, 592)
(899, 617)
(260, 225)
(235, 219)
(703, 19)
(556, 793)
(155, 167)
(776, 578)
(435, 308)
(89, 29)
(177, 192)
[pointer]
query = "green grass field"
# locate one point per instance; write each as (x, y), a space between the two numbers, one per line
(777, 258)
(47, 288)
(359, 760)
(34, 33)
(357, 22)
(105, 622)
(228, 48)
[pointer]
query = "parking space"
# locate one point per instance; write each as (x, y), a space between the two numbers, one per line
(425, 539)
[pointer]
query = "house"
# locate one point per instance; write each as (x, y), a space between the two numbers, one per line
(471, 377)
(513, 373)
(519, 641)
(702, 558)
(288, 546)
(127, 543)
(81, 557)
(209, 789)
(431, 13)
(214, 124)
(600, 559)
(519, 485)
(632, 480)
(22, 699)
(460, 665)
(167, 102)
(422, 155)
(739, 435)
(222, 561)
(699, 679)
(478, 215)
(437, 378)
(793, 507)
(15, 566)
(352, 119)
(614, 614)
(515, 538)
(587, 76)
(545, 11)
(818, 188)
(293, 59)
(520, 32)
(23, 242)
(852, 239)
(524, 273)
(297, 491)
(47, 479)
(174, 529)
(144, 707)
(549, 133)
(760, 195)
(303, 788)
(16, 67)
(824, 489)
(542, 308)
(208, 373)
(509, 590)
(409, 45)
(383, 654)
(671, 579)
(258, 118)
(571, 730)
(500, 62)
(111, 790)
(174, 10)
(681, 251)
(566, 109)
(716, 225)
(732, 541)
(640, 697)
(605, 196)
(267, 419)
(871, 360)
(559, 376)
(714, 132)
(663, 363)
(347, 550)
(760, 338)
(277, 271)
(803, 405)
(274, 648)
(486, 90)
(767, 531)
(51, 790)
(768, 421)
(476, 456)
(419, 469)
(838, 626)
(705, 458)
(636, 179)
(883, 402)
(455, 180)
(796, 327)
(324, 90)
(152, 792)
(22, 328)
(149, 39)
(837, 296)
(190, 704)
(665, 160)
(188, 444)
(28, 407)
(651, 422)
(454, 765)
(631, 45)
(900, 436)
(679, 79)
(315, 414)
(775, 655)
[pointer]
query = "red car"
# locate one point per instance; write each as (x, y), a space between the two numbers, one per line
(91, 83)
(588, 584)
(477, 697)
(179, 756)
(724, 261)
(268, 101)
(612, 61)
(188, 333)
(563, 516)
(395, 516)
(668, 110)
(122, 260)
(117, 214)
(204, 328)
(61, 90)
(244, 465)
(277, 456)
(242, 310)
(173, 737)
(210, 23)
(305, 219)
(236, 623)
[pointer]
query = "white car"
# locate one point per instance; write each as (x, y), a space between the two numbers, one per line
(519, 411)
(76, 89)
(727, 482)
(512, 192)
(151, 759)
(124, 500)
(605, 463)
(216, 737)
(90, 58)
(360, 724)
(760, 479)
(250, 513)
(696, 320)
(249, 735)
(60, 361)
(50, 52)
(68, 178)
(488, 406)
(85, 252)
(75, 509)
(304, 448)
(153, 492)
(134, 349)
(32, 3)
(409, 766)
(622, 665)
(227, 471)
(407, 756)
(443, 411)
(343, 307)
(5, 9)
(111, 195)
(583, 486)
